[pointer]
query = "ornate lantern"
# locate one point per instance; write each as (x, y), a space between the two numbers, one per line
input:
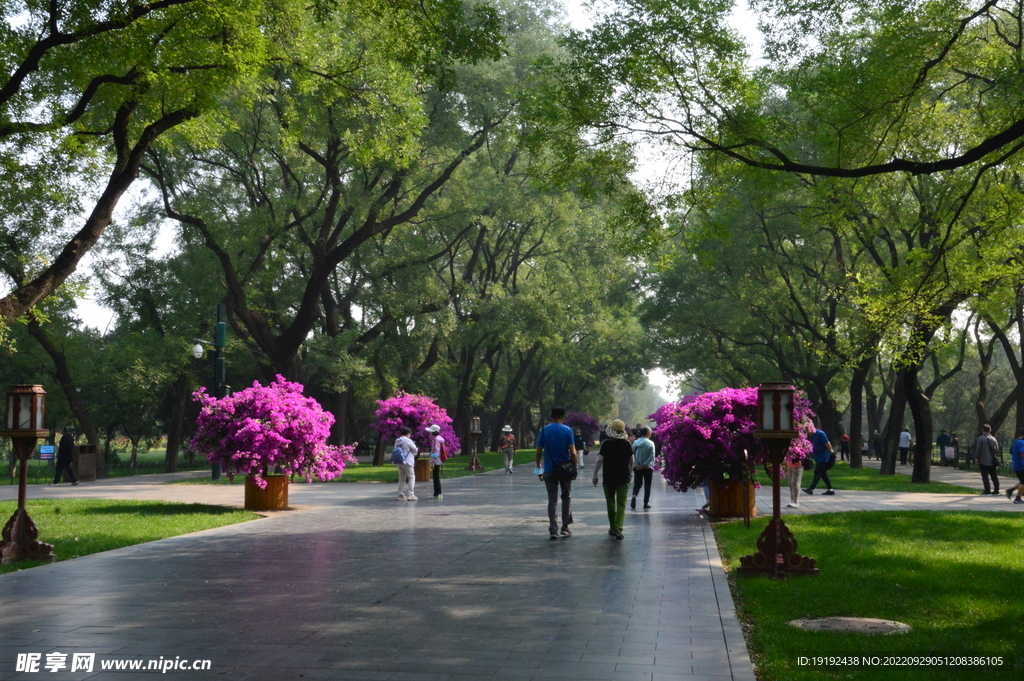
(474, 430)
(23, 423)
(775, 411)
(776, 428)
(26, 413)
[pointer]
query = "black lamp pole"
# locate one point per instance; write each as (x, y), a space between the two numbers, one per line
(220, 387)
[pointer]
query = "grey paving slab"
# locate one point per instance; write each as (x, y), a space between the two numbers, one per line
(357, 585)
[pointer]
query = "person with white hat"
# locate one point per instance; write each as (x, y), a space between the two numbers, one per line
(436, 460)
(508, 447)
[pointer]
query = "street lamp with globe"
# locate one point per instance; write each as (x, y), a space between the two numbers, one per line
(220, 388)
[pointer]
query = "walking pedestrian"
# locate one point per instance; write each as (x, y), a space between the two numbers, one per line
(942, 442)
(436, 445)
(616, 457)
(821, 451)
(407, 469)
(844, 447)
(1017, 452)
(986, 449)
(508, 447)
(876, 444)
(904, 446)
(65, 457)
(556, 449)
(794, 474)
(643, 466)
(580, 444)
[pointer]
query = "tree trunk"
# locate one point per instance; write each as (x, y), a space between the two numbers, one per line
(893, 426)
(920, 409)
(339, 408)
(62, 373)
(378, 452)
(506, 409)
(176, 423)
(860, 375)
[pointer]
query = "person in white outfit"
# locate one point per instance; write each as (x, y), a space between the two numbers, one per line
(407, 469)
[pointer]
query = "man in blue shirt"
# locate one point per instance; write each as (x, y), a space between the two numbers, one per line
(821, 452)
(1017, 451)
(556, 446)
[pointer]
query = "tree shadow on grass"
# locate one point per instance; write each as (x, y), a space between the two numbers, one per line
(155, 509)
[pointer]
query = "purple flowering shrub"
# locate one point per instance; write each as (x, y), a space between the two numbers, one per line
(663, 412)
(262, 428)
(706, 436)
(416, 412)
(588, 425)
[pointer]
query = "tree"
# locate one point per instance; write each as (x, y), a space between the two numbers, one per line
(339, 149)
(89, 87)
(676, 71)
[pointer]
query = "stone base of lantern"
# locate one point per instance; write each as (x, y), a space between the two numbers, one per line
(776, 554)
(21, 541)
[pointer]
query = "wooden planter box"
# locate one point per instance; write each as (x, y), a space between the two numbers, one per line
(727, 500)
(273, 497)
(422, 469)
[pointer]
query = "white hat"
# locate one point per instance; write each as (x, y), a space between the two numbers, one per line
(433, 428)
(507, 429)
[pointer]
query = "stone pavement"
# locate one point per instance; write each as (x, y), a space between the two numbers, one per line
(360, 586)
(853, 500)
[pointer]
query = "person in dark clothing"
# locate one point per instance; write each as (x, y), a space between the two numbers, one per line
(876, 444)
(616, 457)
(844, 447)
(581, 445)
(65, 455)
(986, 449)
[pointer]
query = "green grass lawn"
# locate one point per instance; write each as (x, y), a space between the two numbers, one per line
(844, 477)
(453, 468)
(148, 463)
(952, 576)
(78, 527)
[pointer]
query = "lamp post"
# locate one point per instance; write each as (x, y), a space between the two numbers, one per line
(776, 547)
(474, 430)
(23, 423)
(219, 365)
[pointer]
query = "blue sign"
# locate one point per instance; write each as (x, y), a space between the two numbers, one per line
(46, 452)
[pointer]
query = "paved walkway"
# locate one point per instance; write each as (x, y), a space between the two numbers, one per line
(357, 585)
(360, 586)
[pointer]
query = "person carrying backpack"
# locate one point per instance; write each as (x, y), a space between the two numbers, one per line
(407, 469)
(437, 448)
(508, 447)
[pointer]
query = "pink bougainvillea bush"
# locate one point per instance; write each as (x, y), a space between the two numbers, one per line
(266, 428)
(416, 412)
(588, 425)
(706, 436)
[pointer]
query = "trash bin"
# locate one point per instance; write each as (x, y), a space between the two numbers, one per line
(423, 469)
(85, 461)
